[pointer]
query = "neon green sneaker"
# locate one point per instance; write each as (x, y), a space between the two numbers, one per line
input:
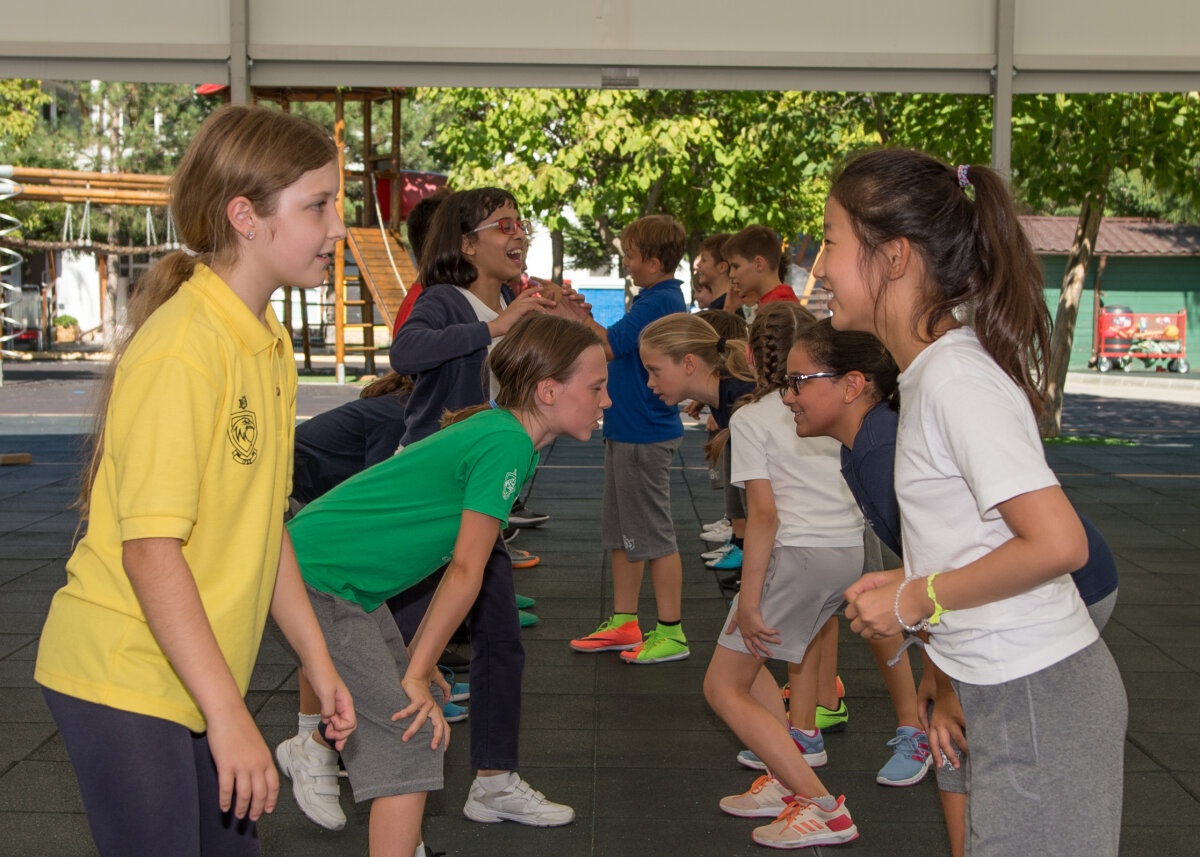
(835, 720)
(659, 647)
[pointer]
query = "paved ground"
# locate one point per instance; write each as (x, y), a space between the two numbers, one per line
(635, 750)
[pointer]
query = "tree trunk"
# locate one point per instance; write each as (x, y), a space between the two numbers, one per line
(1063, 335)
(556, 255)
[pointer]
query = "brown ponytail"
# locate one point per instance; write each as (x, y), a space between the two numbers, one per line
(975, 251)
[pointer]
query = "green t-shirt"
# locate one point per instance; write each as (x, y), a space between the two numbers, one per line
(394, 524)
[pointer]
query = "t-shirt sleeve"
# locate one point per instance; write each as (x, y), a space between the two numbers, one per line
(624, 332)
(994, 442)
(495, 470)
(747, 449)
(160, 432)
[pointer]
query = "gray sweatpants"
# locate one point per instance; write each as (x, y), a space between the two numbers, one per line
(1046, 768)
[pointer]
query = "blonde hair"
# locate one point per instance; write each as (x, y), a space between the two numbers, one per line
(682, 333)
(251, 152)
(657, 236)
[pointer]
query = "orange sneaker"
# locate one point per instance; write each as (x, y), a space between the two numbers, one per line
(523, 559)
(804, 824)
(610, 637)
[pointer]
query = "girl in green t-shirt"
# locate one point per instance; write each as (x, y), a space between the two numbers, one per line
(460, 483)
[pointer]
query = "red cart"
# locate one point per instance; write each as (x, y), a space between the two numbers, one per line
(1123, 336)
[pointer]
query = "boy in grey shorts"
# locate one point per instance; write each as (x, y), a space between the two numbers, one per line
(641, 436)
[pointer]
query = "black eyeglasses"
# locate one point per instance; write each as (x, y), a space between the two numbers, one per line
(792, 383)
(508, 226)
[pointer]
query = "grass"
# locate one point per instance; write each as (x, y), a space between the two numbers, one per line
(1074, 440)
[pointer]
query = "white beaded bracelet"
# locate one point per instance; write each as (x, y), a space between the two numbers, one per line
(923, 625)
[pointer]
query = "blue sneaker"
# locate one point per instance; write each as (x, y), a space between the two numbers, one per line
(453, 712)
(731, 560)
(460, 691)
(812, 748)
(910, 760)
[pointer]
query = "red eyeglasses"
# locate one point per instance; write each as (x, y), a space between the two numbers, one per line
(508, 226)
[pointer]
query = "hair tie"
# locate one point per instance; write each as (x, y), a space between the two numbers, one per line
(492, 404)
(188, 251)
(721, 344)
(963, 181)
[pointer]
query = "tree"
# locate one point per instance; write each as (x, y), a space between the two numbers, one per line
(1066, 149)
(714, 160)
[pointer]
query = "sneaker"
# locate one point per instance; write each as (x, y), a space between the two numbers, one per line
(716, 526)
(454, 713)
(803, 824)
(524, 602)
(717, 553)
(747, 759)
(721, 534)
(732, 559)
(813, 748)
(527, 619)
(313, 770)
(910, 760)
(523, 559)
(454, 661)
(610, 638)
(522, 517)
(658, 647)
(764, 800)
(460, 691)
(833, 721)
(519, 802)
(509, 533)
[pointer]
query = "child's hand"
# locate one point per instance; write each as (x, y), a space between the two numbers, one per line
(245, 769)
(422, 707)
(693, 408)
(530, 300)
(926, 693)
(337, 706)
(873, 580)
(947, 728)
(439, 681)
(755, 633)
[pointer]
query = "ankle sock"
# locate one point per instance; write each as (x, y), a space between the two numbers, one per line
(308, 724)
(622, 618)
(493, 783)
(826, 802)
(737, 543)
(673, 630)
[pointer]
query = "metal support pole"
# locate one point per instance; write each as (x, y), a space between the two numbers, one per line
(1002, 87)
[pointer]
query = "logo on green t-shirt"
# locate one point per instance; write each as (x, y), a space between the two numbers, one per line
(510, 484)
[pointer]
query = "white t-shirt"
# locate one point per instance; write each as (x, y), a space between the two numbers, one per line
(485, 313)
(967, 442)
(815, 507)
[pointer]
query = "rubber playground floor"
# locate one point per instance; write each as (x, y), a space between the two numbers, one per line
(635, 750)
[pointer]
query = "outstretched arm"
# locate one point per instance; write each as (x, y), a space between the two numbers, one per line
(292, 612)
(451, 602)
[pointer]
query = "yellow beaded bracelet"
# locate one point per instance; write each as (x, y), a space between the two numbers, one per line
(938, 609)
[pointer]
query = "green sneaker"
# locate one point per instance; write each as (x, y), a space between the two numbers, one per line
(526, 618)
(658, 647)
(524, 602)
(833, 721)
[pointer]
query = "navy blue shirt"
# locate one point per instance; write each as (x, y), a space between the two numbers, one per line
(637, 415)
(337, 444)
(868, 471)
(729, 390)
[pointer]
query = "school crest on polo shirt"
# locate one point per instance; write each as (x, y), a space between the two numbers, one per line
(510, 484)
(243, 433)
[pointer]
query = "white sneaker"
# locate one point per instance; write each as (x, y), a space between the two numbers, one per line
(718, 535)
(764, 800)
(717, 553)
(517, 801)
(313, 770)
(715, 525)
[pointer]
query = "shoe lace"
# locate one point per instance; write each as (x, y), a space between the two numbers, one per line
(910, 746)
(760, 784)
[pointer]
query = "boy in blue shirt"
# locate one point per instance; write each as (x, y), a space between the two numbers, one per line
(641, 436)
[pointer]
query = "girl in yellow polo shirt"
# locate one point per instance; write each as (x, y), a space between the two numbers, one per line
(147, 650)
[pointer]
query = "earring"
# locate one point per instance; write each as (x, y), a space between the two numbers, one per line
(250, 235)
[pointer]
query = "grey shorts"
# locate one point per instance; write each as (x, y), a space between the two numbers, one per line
(802, 589)
(369, 654)
(1039, 780)
(735, 497)
(636, 513)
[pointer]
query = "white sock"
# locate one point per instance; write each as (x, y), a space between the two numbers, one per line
(420, 852)
(826, 802)
(308, 724)
(495, 782)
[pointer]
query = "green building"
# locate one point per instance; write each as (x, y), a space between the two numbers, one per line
(1146, 265)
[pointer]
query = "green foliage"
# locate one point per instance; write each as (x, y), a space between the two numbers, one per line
(65, 321)
(20, 101)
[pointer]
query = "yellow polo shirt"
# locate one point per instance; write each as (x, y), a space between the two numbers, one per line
(197, 447)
